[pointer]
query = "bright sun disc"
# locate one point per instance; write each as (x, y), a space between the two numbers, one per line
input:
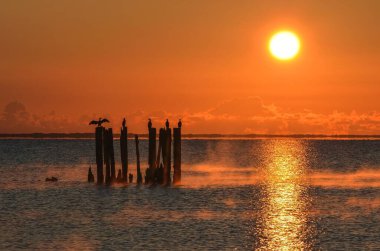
(284, 45)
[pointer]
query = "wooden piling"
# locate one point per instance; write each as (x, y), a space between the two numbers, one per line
(160, 144)
(107, 158)
(139, 175)
(163, 152)
(167, 153)
(158, 175)
(111, 155)
(152, 147)
(99, 154)
(177, 155)
(150, 171)
(124, 152)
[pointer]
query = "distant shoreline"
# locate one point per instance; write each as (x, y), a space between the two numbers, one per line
(185, 136)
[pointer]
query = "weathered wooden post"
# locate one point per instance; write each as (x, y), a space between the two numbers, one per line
(139, 175)
(99, 154)
(167, 158)
(160, 139)
(177, 155)
(152, 147)
(107, 156)
(112, 155)
(159, 169)
(149, 178)
(163, 151)
(124, 151)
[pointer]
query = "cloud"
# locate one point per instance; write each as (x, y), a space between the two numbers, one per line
(252, 115)
(249, 115)
(16, 119)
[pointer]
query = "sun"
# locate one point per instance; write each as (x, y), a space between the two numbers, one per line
(284, 45)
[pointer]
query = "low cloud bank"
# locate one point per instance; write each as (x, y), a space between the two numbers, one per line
(236, 116)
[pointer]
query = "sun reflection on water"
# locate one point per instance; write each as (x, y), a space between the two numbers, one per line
(283, 215)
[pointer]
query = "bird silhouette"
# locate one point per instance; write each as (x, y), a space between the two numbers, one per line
(99, 122)
(179, 123)
(124, 122)
(167, 123)
(149, 123)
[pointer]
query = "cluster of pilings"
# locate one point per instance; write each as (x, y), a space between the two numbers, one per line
(159, 160)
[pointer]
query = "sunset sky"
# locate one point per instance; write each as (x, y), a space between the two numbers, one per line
(63, 63)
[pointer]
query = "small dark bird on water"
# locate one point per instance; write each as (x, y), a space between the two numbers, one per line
(99, 122)
(179, 123)
(52, 179)
(124, 122)
(149, 123)
(167, 123)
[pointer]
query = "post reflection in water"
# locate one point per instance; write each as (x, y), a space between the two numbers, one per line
(283, 219)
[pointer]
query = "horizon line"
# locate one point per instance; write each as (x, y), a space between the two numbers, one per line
(88, 135)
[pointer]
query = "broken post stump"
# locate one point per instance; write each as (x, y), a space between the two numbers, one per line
(99, 154)
(139, 175)
(90, 176)
(177, 155)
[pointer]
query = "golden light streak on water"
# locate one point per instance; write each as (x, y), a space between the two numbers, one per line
(283, 215)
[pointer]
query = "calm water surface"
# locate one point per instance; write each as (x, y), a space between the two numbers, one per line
(269, 194)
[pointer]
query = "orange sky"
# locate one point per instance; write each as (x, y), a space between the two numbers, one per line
(63, 63)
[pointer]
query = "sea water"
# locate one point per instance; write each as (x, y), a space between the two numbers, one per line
(262, 194)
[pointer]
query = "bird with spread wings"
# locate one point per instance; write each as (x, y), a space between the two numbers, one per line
(99, 122)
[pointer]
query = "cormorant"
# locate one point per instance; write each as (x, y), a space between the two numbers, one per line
(167, 123)
(179, 123)
(99, 122)
(124, 122)
(149, 124)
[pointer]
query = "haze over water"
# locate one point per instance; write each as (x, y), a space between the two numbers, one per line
(268, 194)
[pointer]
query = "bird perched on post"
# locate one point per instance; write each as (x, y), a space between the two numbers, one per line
(99, 122)
(179, 123)
(167, 123)
(149, 123)
(124, 122)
